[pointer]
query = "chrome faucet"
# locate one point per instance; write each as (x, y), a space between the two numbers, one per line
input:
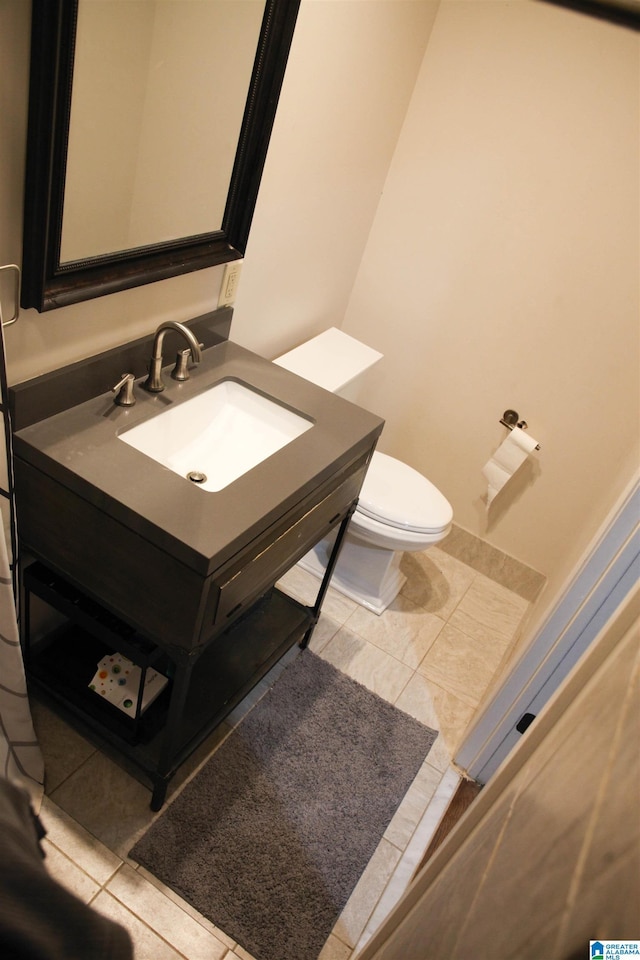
(154, 383)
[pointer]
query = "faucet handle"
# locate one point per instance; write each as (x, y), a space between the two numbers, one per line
(181, 369)
(125, 396)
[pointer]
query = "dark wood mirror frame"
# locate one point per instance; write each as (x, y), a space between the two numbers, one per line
(624, 12)
(46, 283)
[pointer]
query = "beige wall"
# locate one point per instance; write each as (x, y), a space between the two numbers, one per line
(171, 81)
(349, 81)
(496, 267)
(110, 69)
(547, 856)
(200, 65)
(42, 342)
(502, 271)
(352, 69)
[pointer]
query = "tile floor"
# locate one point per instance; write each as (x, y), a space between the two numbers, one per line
(433, 653)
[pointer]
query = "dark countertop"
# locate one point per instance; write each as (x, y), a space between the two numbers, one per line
(79, 448)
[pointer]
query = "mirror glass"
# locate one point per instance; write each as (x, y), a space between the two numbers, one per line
(158, 86)
(149, 123)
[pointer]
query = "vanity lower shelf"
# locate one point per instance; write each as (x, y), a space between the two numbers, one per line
(66, 662)
(201, 691)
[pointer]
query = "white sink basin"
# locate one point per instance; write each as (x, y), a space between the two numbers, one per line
(219, 435)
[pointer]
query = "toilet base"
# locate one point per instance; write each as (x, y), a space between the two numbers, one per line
(367, 574)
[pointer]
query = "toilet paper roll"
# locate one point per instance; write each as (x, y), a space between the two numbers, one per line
(508, 458)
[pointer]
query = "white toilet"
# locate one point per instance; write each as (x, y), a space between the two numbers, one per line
(398, 509)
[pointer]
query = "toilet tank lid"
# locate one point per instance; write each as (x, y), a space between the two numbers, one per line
(330, 360)
(402, 497)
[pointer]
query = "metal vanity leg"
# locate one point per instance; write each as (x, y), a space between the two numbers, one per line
(25, 620)
(159, 794)
(324, 586)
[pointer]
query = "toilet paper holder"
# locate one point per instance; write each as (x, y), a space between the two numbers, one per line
(511, 419)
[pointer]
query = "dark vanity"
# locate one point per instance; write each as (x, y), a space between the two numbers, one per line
(140, 561)
(121, 554)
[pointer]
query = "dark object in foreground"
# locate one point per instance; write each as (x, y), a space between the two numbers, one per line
(39, 919)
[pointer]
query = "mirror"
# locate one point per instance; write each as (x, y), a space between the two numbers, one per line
(157, 85)
(92, 228)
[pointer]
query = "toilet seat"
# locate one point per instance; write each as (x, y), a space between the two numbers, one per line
(380, 534)
(395, 495)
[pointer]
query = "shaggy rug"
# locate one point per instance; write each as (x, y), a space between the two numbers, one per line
(271, 836)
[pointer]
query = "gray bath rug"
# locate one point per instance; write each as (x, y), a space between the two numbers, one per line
(271, 836)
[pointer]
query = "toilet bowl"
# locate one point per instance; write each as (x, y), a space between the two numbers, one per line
(398, 508)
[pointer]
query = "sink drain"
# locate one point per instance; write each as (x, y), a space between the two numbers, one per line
(196, 477)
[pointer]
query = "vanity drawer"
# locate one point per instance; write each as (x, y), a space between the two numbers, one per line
(236, 588)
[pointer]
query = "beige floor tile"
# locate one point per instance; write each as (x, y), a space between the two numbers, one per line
(147, 944)
(454, 716)
(93, 857)
(63, 748)
(416, 699)
(483, 635)
(439, 756)
(325, 629)
(68, 874)
(462, 665)
(413, 853)
(186, 907)
(406, 631)
(303, 586)
(370, 666)
(337, 606)
(335, 949)
(299, 584)
(493, 607)
(413, 806)
(178, 928)
(366, 894)
(436, 581)
(107, 802)
(438, 709)
(240, 953)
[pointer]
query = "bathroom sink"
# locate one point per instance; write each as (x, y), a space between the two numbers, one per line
(219, 435)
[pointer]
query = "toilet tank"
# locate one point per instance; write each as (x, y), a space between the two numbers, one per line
(332, 360)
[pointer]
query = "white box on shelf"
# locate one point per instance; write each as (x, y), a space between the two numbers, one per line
(117, 679)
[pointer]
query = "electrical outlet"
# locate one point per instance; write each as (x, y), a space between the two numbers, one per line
(230, 282)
